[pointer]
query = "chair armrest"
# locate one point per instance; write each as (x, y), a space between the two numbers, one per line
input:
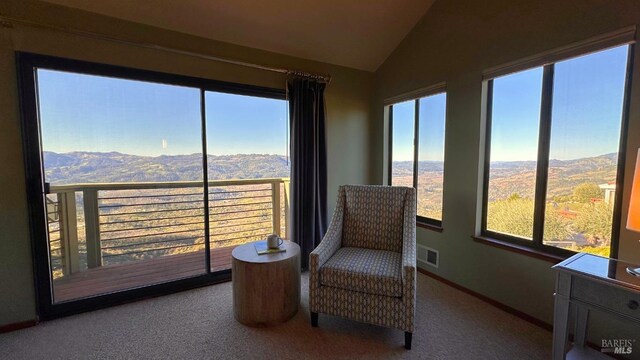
(409, 231)
(409, 260)
(409, 249)
(332, 240)
(330, 243)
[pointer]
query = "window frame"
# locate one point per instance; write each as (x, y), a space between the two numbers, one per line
(421, 221)
(27, 65)
(536, 244)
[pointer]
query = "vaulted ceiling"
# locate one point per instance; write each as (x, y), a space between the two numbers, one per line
(355, 33)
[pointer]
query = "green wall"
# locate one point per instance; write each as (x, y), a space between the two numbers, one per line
(454, 42)
(348, 99)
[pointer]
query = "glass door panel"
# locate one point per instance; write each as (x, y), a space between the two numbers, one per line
(248, 169)
(123, 167)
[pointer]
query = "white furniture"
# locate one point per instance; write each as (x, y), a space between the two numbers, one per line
(588, 282)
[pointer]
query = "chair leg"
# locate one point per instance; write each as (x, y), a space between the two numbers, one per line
(407, 340)
(314, 319)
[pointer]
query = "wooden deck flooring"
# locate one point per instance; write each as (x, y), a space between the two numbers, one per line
(112, 278)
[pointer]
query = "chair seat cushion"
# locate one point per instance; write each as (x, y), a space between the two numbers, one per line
(364, 270)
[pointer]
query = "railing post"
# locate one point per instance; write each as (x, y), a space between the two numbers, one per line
(287, 212)
(68, 232)
(275, 206)
(92, 228)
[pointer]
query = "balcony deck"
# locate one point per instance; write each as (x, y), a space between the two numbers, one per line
(107, 279)
(135, 234)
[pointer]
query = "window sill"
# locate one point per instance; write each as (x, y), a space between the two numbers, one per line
(429, 226)
(520, 249)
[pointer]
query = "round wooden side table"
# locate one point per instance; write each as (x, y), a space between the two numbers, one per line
(266, 288)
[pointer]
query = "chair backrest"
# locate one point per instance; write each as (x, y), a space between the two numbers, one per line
(373, 216)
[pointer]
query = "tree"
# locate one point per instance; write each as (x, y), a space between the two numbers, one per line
(562, 198)
(555, 226)
(514, 196)
(586, 191)
(514, 216)
(511, 216)
(595, 222)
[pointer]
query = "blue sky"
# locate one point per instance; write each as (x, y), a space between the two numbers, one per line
(588, 100)
(432, 113)
(93, 113)
(516, 116)
(245, 125)
(402, 134)
(431, 130)
(586, 113)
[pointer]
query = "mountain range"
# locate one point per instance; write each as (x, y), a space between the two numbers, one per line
(518, 177)
(92, 167)
(507, 177)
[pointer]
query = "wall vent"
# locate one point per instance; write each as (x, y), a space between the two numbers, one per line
(428, 255)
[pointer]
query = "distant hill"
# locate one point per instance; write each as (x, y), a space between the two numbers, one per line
(92, 167)
(507, 177)
(511, 177)
(405, 168)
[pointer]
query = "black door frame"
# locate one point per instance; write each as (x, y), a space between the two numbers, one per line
(27, 63)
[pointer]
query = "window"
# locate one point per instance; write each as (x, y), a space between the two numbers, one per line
(552, 155)
(514, 150)
(404, 120)
(417, 152)
(151, 179)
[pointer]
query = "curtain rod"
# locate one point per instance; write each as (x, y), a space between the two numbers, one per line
(8, 22)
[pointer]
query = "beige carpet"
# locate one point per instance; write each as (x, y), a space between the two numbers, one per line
(199, 324)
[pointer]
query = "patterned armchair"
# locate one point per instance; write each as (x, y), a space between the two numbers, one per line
(365, 267)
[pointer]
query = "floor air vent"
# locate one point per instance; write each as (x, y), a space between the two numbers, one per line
(428, 255)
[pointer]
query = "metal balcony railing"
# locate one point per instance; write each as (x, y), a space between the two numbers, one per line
(92, 225)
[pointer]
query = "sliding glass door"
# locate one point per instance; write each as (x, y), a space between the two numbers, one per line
(248, 170)
(122, 163)
(124, 201)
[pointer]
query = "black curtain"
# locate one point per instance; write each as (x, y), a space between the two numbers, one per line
(308, 164)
